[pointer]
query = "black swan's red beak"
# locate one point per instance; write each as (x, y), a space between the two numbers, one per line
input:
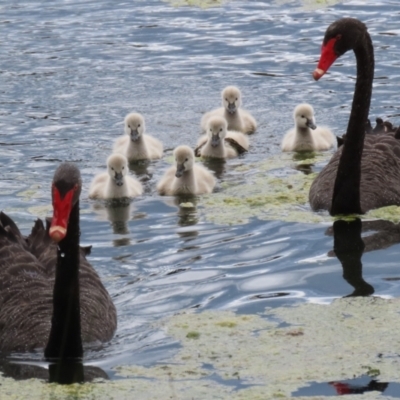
(328, 56)
(62, 206)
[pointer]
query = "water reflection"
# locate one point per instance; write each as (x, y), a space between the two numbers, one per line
(187, 213)
(349, 246)
(217, 165)
(65, 373)
(373, 385)
(140, 168)
(301, 156)
(118, 213)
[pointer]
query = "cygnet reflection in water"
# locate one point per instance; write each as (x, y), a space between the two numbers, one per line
(218, 166)
(140, 169)
(349, 246)
(187, 214)
(118, 212)
(306, 168)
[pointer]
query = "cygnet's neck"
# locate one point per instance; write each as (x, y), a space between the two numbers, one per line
(234, 121)
(113, 190)
(303, 132)
(137, 148)
(217, 151)
(187, 182)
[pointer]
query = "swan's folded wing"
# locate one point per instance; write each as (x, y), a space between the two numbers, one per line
(200, 144)
(380, 175)
(22, 278)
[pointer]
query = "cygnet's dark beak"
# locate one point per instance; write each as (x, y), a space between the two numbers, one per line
(231, 108)
(118, 178)
(180, 168)
(215, 140)
(134, 135)
(310, 124)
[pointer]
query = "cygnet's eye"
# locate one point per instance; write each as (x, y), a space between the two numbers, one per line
(138, 126)
(236, 99)
(302, 116)
(129, 126)
(226, 99)
(220, 129)
(123, 167)
(186, 159)
(112, 168)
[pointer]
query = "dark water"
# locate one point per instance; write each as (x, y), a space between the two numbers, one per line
(71, 70)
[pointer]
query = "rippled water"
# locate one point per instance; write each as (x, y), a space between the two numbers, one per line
(71, 70)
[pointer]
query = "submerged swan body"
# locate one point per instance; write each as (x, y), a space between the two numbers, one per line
(306, 136)
(50, 295)
(186, 177)
(115, 183)
(136, 145)
(365, 171)
(237, 118)
(218, 142)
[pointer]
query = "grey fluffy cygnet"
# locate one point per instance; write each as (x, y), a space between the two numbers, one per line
(136, 144)
(115, 183)
(238, 119)
(306, 136)
(186, 176)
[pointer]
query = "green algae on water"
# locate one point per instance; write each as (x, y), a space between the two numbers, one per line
(271, 355)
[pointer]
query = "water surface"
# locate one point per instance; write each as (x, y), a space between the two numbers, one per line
(71, 71)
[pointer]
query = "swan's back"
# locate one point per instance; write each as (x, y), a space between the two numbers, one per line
(380, 175)
(27, 274)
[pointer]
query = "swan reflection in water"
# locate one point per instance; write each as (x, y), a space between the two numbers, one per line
(65, 372)
(349, 246)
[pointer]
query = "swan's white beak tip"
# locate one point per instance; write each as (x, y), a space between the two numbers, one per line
(318, 72)
(57, 233)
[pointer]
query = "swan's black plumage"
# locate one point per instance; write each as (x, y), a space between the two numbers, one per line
(28, 270)
(362, 174)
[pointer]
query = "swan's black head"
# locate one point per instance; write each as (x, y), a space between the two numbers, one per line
(66, 188)
(341, 36)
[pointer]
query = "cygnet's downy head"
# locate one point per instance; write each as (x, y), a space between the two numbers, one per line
(216, 130)
(231, 99)
(117, 166)
(184, 158)
(304, 116)
(134, 126)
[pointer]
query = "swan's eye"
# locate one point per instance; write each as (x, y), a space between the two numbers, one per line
(338, 37)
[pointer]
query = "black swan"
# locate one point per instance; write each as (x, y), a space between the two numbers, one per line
(365, 172)
(50, 296)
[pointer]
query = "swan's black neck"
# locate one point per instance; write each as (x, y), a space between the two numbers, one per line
(65, 336)
(346, 192)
